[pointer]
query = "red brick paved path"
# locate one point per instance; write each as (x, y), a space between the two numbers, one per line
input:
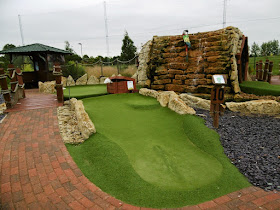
(35, 100)
(37, 172)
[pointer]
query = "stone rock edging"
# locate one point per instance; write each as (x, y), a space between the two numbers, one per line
(74, 123)
(47, 87)
(195, 102)
(170, 99)
(2, 108)
(269, 107)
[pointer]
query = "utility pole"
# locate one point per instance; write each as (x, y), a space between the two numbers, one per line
(81, 49)
(20, 28)
(106, 29)
(225, 14)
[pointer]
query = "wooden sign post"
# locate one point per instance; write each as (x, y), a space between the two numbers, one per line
(217, 98)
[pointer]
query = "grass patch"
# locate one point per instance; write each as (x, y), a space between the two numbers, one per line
(149, 156)
(274, 58)
(85, 91)
(260, 88)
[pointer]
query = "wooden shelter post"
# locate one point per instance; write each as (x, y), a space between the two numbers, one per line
(4, 86)
(58, 78)
(20, 81)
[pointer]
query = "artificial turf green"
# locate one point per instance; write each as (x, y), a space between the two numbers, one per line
(149, 156)
(85, 91)
(260, 88)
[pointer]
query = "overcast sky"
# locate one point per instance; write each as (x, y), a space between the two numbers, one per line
(52, 22)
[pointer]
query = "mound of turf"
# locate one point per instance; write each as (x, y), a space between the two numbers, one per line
(260, 88)
(85, 91)
(149, 156)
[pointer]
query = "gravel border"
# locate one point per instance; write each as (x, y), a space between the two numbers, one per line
(252, 143)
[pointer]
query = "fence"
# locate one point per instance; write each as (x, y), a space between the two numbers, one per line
(275, 59)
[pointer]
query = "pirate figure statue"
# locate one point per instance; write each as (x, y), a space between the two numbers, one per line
(186, 39)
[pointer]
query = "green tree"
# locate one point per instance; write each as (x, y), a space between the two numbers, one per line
(73, 56)
(128, 48)
(255, 49)
(265, 49)
(274, 47)
(5, 60)
(68, 47)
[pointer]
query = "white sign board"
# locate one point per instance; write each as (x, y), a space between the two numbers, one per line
(219, 79)
(130, 85)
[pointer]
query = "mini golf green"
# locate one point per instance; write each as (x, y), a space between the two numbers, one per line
(85, 91)
(260, 88)
(149, 156)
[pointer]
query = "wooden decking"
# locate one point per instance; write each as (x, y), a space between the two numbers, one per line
(35, 100)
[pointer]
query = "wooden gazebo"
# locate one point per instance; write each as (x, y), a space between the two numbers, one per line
(41, 55)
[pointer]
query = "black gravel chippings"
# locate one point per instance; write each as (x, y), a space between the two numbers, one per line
(1, 101)
(252, 143)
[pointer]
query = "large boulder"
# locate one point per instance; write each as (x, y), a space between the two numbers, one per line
(92, 80)
(269, 107)
(82, 80)
(64, 80)
(85, 125)
(70, 81)
(195, 102)
(134, 77)
(47, 87)
(164, 97)
(148, 92)
(177, 105)
(2, 108)
(102, 79)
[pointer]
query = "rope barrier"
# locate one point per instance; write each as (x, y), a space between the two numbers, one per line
(13, 75)
(128, 60)
(14, 82)
(3, 76)
(15, 89)
(5, 91)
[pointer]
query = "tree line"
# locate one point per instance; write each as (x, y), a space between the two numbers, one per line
(128, 51)
(265, 49)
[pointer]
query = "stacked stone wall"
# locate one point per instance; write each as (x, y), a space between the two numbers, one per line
(211, 53)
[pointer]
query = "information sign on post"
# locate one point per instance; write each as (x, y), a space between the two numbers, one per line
(217, 97)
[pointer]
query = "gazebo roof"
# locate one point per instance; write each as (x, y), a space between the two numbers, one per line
(34, 48)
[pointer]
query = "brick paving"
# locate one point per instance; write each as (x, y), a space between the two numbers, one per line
(37, 172)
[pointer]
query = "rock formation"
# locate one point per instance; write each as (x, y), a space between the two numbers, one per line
(102, 79)
(195, 102)
(47, 87)
(269, 107)
(82, 80)
(85, 125)
(70, 81)
(92, 80)
(163, 66)
(148, 92)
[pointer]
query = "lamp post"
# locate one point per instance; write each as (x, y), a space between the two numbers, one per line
(81, 49)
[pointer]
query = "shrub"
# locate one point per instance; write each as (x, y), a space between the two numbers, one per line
(73, 69)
